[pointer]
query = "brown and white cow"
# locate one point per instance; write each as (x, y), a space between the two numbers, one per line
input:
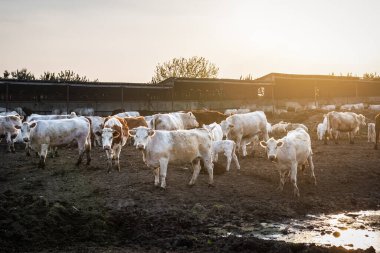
(160, 148)
(206, 117)
(114, 137)
(9, 129)
(288, 153)
(174, 121)
(348, 122)
(42, 134)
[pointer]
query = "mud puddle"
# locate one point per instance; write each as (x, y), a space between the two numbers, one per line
(354, 230)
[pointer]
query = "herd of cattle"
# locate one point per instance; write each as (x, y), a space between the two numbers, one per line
(181, 137)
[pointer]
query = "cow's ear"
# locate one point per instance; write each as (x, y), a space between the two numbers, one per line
(280, 144)
(151, 132)
(13, 117)
(132, 132)
(33, 125)
(190, 114)
(115, 134)
(263, 144)
(17, 127)
(21, 118)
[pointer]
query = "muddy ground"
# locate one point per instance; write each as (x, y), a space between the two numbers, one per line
(69, 209)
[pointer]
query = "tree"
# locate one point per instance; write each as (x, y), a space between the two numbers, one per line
(22, 74)
(371, 76)
(194, 67)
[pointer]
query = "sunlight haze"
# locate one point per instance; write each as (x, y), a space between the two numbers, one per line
(124, 40)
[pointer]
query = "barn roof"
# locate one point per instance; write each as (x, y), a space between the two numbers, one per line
(86, 84)
(182, 80)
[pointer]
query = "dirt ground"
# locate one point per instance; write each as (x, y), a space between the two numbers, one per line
(67, 209)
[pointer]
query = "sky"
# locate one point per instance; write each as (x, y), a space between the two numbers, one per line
(123, 40)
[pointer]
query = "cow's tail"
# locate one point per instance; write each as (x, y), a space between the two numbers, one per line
(91, 136)
(328, 124)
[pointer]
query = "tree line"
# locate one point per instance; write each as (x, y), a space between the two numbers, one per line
(62, 76)
(193, 67)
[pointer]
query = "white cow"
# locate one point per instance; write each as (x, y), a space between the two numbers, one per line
(322, 128)
(348, 122)
(97, 124)
(371, 132)
(128, 114)
(9, 129)
(216, 131)
(288, 153)
(159, 148)
(294, 126)
(45, 133)
(279, 128)
(230, 112)
(228, 147)
(242, 128)
(84, 111)
(35, 117)
(174, 121)
(293, 106)
(243, 110)
(374, 107)
(328, 107)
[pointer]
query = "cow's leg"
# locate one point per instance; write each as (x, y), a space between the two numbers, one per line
(88, 154)
(117, 157)
(311, 164)
(27, 149)
(377, 138)
(335, 134)
(163, 171)
(210, 169)
(81, 145)
(43, 154)
(156, 172)
(351, 137)
(236, 161)
(283, 174)
(9, 141)
(229, 157)
(109, 160)
(216, 157)
(196, 169)
(325, 139)
(293, 178)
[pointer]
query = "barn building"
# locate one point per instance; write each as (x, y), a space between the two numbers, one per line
(173, 94)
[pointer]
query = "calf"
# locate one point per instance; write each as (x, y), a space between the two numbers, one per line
(228, 147)
(9, 129)
(114, 137)
(289, 152)
(377, 129)
(159, 148)
(322, 128)
(216, 131)
(42, 134)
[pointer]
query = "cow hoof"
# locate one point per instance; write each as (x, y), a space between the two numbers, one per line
(190, 184)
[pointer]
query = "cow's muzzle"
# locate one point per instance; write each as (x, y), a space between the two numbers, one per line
(140, 147)
(25, 139)
(107, 147)
(272, 158)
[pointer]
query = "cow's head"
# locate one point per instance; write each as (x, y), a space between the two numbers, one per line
(141, 136)
(361, 119)
(25, 130)
(271, 147)
(108, 134)
(191, 120)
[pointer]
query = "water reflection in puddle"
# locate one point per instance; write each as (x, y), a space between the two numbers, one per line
(350, 230)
